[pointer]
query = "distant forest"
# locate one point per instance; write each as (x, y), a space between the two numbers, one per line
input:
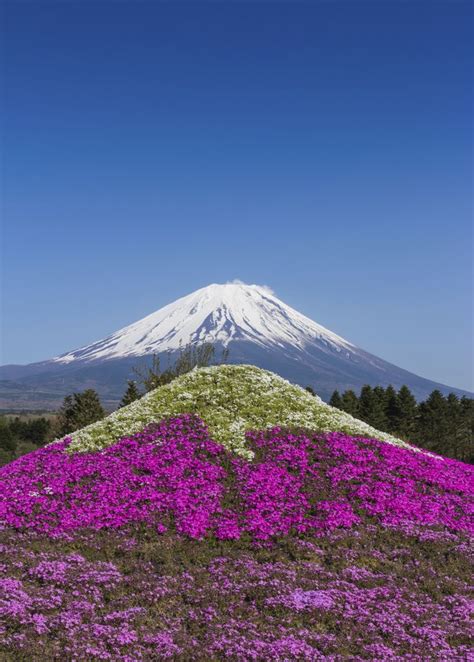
(444, 425)
(22, 434)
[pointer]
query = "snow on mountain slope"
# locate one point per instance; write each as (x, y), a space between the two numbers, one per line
(256, 326)
(217, 314)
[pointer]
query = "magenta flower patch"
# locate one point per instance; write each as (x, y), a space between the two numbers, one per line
(167, 546)
(173, 475)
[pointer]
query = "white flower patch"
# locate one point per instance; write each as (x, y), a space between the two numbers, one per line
(231, 399)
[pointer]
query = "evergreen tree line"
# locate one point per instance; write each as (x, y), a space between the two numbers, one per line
(19, 436)
(441, 424)
(79, 410)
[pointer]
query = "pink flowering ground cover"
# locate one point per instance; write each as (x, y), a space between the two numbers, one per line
(167, 546)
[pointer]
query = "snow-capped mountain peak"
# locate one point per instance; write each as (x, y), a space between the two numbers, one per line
(258, 328)
(218, 313)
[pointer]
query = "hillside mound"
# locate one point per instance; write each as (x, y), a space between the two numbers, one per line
(168, 545)
(231, 399)
(173, 473)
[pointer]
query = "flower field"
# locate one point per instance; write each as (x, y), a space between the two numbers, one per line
(168, 545)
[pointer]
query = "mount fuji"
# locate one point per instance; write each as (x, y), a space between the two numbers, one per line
(249, 320)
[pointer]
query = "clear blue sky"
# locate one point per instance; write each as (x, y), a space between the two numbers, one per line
(323, 149)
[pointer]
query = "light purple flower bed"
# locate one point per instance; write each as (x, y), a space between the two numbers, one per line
(165, 545)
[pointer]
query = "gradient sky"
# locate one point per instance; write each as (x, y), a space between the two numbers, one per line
(323, 149)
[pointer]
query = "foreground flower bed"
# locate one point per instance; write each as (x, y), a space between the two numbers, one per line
(166, 545)
(359, 594)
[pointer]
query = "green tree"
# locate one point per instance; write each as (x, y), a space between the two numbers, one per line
(350, 403)
(17, 427)
(371, 406)
(407, 413)
(392, 410)
(380, 417)
(131, 394)
(466, 452)
(336, 400)
(37, 431)
(79, 410)
(432, 425)
(7, 439)
(452, 443)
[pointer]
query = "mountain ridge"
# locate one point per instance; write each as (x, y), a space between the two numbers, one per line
(249, 320)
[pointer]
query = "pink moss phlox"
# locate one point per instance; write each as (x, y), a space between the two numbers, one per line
(173, 475)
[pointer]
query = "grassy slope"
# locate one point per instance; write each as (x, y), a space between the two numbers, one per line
(231, 399)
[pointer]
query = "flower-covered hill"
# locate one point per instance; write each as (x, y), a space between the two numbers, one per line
(168, 545)
(231, 399)
(174, 475)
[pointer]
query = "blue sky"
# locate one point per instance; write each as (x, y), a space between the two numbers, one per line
(323, 149)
